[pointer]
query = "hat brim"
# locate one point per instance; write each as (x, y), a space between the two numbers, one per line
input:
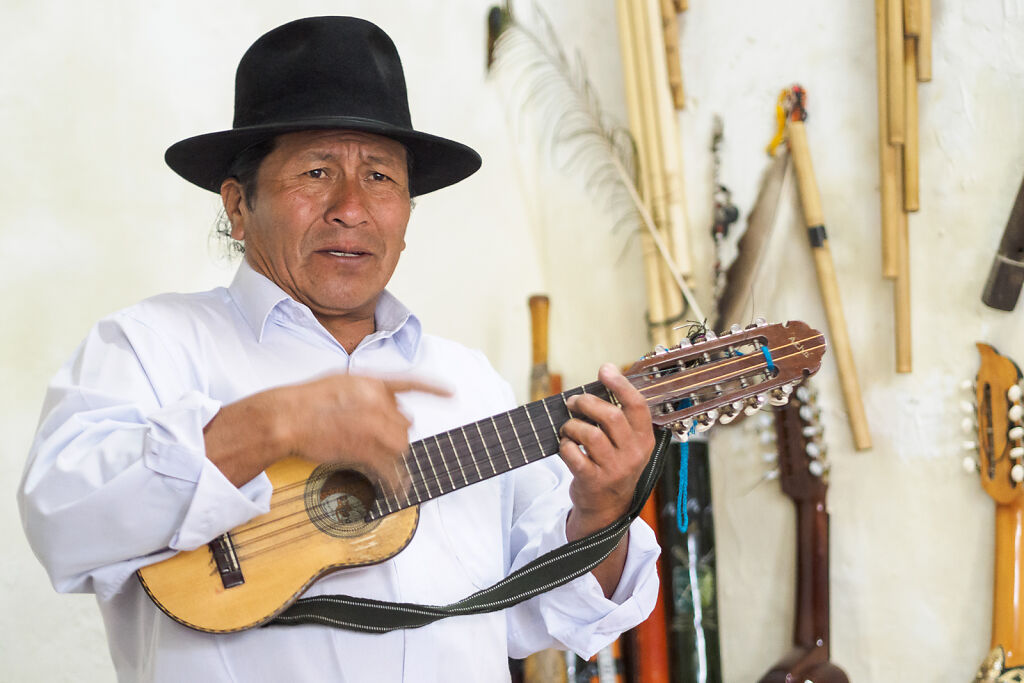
(436, 162)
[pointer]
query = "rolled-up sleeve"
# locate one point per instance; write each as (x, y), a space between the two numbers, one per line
(118, 476)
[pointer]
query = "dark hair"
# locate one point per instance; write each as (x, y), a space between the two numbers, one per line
(246, 166)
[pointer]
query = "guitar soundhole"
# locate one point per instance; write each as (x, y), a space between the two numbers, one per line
(337, 501)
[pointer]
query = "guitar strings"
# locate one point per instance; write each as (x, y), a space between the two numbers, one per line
(464, 467)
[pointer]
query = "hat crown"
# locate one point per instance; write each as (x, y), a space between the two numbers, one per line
(321, 67)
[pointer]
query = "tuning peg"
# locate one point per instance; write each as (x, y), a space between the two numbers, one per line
(813, 449)
(968, 425)
(1016, 433)
(807, 413)
(780, 395)
(707, 420)
(1015, 413)
(811, 431)
(769, 456)
(967, 407)
(968, 385)
(803, 393)
(969, 446)
(684, 343)
(760, 322)
(767, 436)
(817, 468)
(728, 413)
(1017, 473)
(754, 404)
(1017, 452)
(1014, 393)
(970, 464)
(735, 329)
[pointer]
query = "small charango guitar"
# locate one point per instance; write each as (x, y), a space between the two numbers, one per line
(324, 518)
(802, 474)
(1000, 464)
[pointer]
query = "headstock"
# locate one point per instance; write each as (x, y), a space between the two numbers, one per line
(1000, 434)
(802, 453)
(695, 384)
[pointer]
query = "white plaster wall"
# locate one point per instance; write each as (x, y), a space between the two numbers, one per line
(91, 220)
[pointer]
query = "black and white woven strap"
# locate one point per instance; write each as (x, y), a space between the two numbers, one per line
(542, 574)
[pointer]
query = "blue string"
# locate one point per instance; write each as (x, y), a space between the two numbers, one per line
(682, 513)
(768, 358)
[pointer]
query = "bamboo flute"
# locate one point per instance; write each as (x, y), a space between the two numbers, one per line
(675, 228)
(652, 280)
(894, 62)
(670, 26)
(901, 293)
(890, 199)
(911, 160)
(648, 57)
(827, 283)
(912, 18)
(924, 43)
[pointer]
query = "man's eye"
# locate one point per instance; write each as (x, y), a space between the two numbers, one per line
(317, 173)
(378, 176)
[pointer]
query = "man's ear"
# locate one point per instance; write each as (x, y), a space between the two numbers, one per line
(233, 198)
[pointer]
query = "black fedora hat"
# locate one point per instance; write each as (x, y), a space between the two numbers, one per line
(321, 73)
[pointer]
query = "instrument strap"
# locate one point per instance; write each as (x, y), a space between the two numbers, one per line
(548, 571)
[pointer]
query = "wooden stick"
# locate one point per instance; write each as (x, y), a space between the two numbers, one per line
(912, 18)
(886, 152)
(681, 5)
(814, 219)
(901, 292)
(911, 161)
(924, 43)
(670, 23)
(894, 62)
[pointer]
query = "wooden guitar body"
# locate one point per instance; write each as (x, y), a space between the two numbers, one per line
(316, 527)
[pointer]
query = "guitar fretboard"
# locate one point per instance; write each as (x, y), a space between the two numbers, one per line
(448, 461)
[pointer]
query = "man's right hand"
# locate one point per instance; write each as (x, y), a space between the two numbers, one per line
(342, 418)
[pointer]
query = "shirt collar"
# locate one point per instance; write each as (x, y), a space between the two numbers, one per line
(257, 297)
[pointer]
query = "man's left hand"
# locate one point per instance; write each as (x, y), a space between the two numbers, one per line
(605, 458)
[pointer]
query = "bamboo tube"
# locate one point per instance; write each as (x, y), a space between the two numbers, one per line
(666, 119)
(670, 24)
(681, 5)
(901, 293)
(912, 18)
(652, 280)
(886, 152)
(894, 62)
(911, 160)
(810, 201)
(651, 71)
(924, 43)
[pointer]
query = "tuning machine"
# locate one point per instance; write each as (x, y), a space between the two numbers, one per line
(1015, 433)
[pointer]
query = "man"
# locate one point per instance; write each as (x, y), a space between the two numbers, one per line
(154, 438)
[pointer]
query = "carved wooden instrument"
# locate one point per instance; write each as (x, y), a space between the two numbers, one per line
(1001, 466)
(814, 219)
(324, 518)
(802, 472)
(1007, 273)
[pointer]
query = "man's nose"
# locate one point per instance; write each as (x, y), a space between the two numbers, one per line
(346, 203)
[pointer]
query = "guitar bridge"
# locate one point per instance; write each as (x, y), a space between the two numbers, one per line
(223, 549)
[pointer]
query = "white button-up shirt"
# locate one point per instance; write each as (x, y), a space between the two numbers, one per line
(118, 479)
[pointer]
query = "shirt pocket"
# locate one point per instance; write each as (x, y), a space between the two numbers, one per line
(471, 521)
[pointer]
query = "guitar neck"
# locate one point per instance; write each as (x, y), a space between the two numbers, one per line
(811, 626)
(465, 455)
(1007, 615)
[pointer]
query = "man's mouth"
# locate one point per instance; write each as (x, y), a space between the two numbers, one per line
(347, 254)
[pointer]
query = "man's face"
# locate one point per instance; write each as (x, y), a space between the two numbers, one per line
(328, 221)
